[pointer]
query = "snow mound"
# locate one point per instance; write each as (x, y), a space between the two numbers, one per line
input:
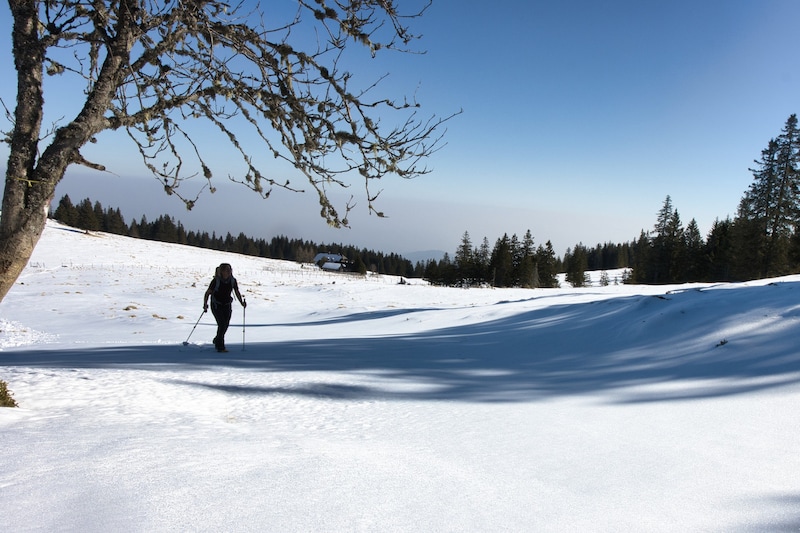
(13, 334)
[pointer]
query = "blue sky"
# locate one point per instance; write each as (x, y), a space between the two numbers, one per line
(579, 118)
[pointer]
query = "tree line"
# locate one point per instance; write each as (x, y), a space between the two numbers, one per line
(511, 262)
(761, 241)
(92, 216)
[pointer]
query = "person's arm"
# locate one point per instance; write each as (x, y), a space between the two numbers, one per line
(205, 299)
(239, 296)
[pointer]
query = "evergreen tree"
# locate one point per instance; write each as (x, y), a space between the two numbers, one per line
(516, 261)
(447, 271)
(640, 266)
(100, 216)
(718, 251)
(527, 272)
(769, 209)
(748, 243)
(360, 266)
(676, 239)
(667, 255)
(547, 267)
(419, 270)
(87, 217)
(501, 264)
(66, 212)
(144, 228)
(695, 254)
(464, 260)
(576, 263)
(482, 259)
(115, 222)
(794, 249)
(432, 273)
(133, 230)
(164, 229)
(787, 209)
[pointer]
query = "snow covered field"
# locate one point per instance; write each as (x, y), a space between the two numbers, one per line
(351, 404)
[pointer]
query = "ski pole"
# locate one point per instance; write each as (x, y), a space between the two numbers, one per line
(186, 342)
(244, 314)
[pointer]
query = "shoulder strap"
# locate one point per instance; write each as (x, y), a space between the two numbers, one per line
(218, 280)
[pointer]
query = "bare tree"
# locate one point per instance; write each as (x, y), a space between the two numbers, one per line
(152, 66)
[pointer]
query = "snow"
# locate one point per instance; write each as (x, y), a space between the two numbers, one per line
(362, 404)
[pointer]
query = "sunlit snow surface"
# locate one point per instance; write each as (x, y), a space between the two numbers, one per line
(362, 404)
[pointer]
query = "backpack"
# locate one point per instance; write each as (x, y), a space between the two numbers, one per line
(217, 282)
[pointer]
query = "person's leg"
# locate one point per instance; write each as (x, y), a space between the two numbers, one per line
(223, 316)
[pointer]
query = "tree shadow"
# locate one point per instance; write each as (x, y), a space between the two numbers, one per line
(631, 349)
(354, 317)
(782, 505)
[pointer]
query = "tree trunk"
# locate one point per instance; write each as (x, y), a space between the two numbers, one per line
(17, 241)
(25, 201)
(31, 179)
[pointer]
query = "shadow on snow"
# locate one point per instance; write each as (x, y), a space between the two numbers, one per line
(684, 345)
(787, 506)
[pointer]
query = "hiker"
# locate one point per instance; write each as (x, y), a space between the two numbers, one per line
(220, 291)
